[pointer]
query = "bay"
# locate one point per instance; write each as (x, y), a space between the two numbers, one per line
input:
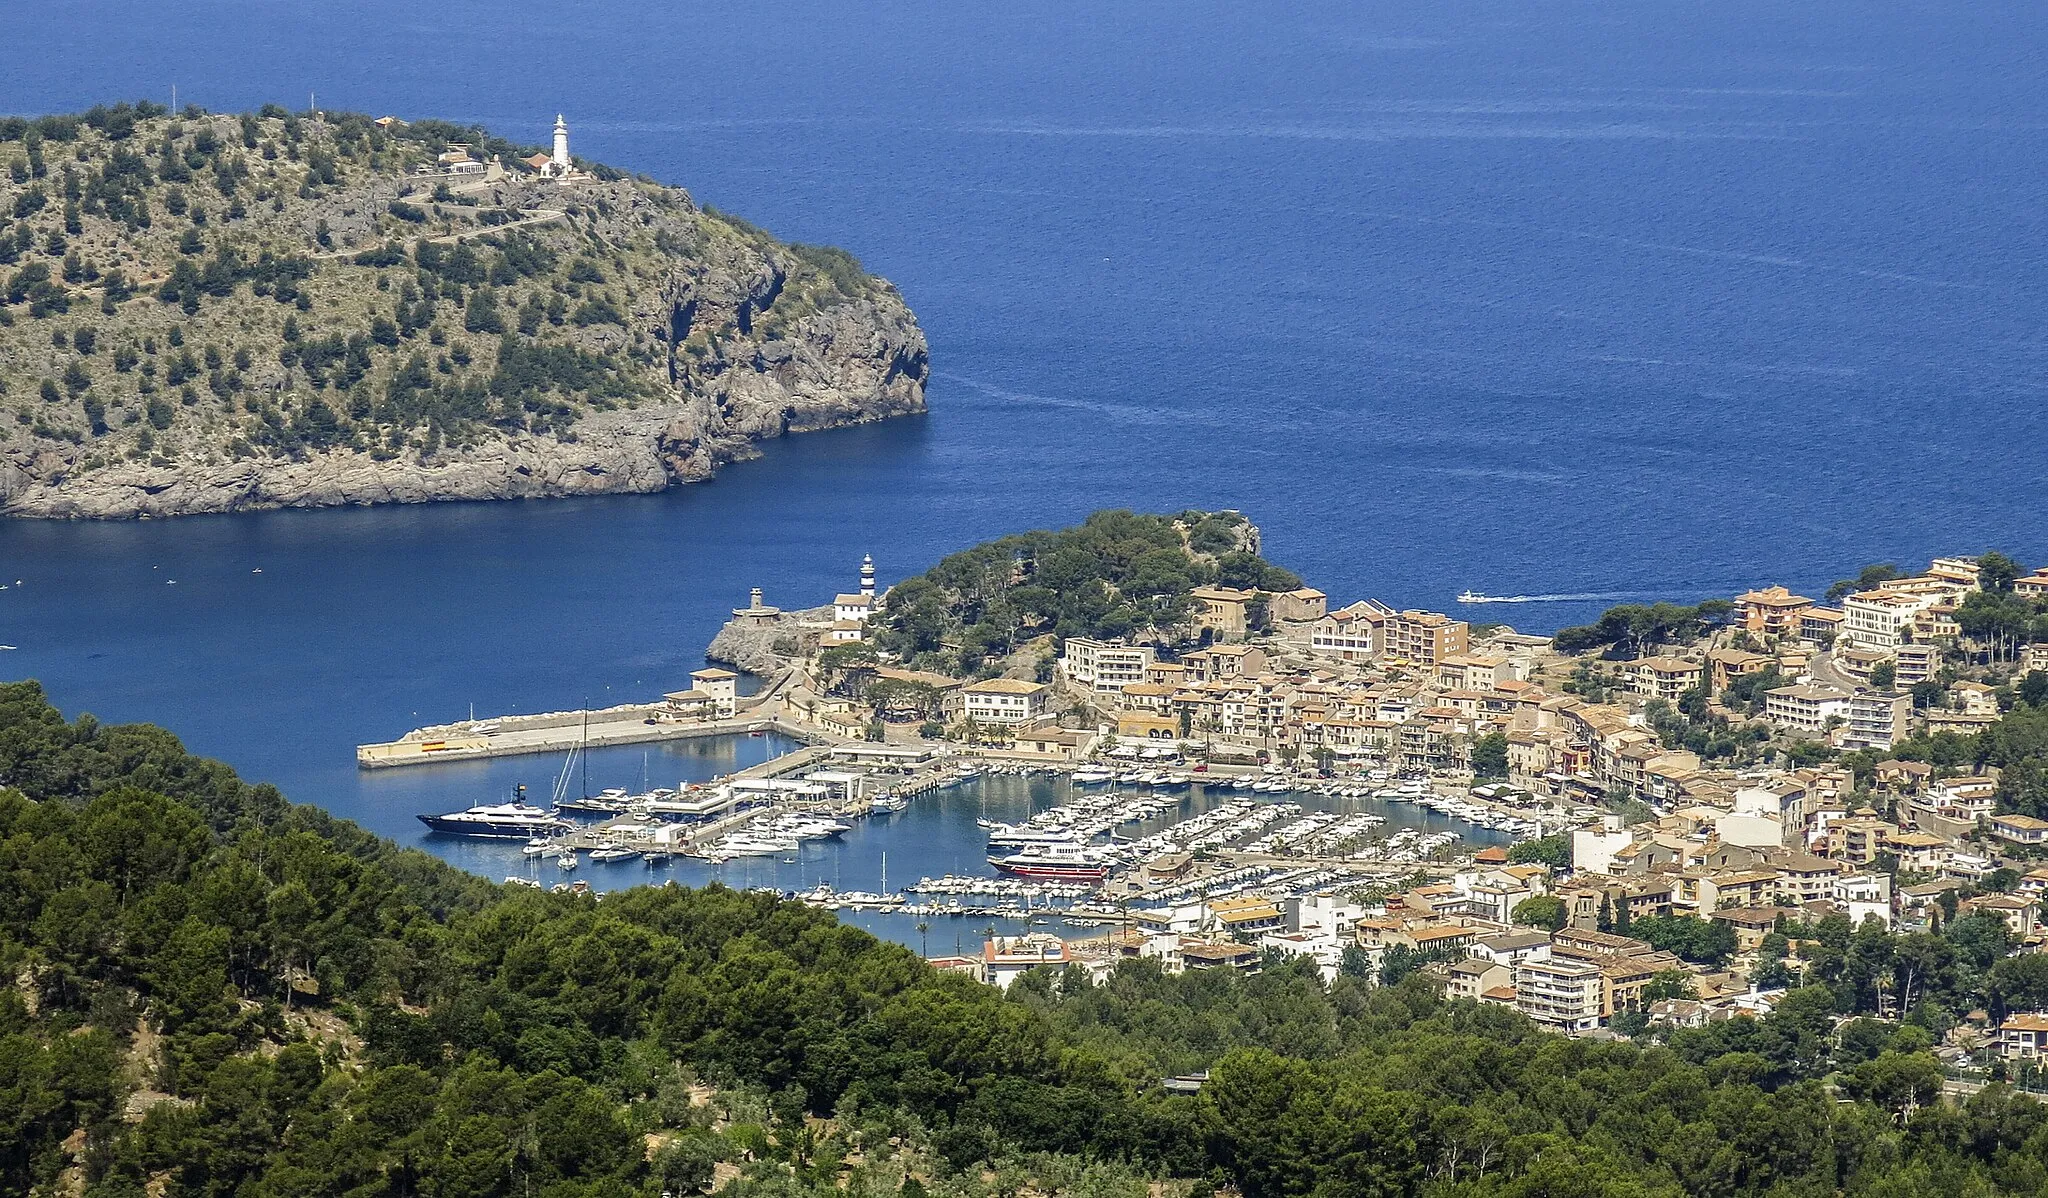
(1616, 300)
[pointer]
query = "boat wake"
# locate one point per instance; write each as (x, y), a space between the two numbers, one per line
(1578, 597)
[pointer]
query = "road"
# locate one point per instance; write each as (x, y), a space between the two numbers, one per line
(540, 217)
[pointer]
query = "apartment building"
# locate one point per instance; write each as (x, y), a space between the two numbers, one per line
(1915, 664)
(1805, 707)
(1664, 678)
(1354, 634)
(1426, 637)
(1104, 667)
(1221, 610)
(1772, 612)
(1820, 625)
(1884, 618)
(1875, 720)
(1560, 992)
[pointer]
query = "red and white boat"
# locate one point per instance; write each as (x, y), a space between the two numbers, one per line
(1044, 861)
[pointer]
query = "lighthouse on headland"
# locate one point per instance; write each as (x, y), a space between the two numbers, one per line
(560, 162)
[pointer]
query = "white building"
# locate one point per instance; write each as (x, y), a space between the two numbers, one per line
(1883, 618)
(1593, 848)
(1560, 992)
(1806, 707)
(1004, 701)
(850, 612)
(713, 695)
(1006, 958)
(1103, 666)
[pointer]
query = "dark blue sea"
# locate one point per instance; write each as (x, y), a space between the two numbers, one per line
(1585, 297)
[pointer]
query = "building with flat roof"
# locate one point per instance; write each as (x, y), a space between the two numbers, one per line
(1875, 720)
(1006, 958)
(1560, 992)
(1426, 637)
(1104, 667)
(1805, 707)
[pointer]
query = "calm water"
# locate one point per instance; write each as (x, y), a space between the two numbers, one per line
(937, 836)
(1579, 298)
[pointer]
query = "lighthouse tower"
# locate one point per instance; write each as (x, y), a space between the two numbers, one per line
(867, 576)
(560, 162)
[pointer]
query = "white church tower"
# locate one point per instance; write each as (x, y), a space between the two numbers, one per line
(560, 162)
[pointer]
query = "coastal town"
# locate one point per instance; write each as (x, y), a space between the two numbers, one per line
(1650, 820)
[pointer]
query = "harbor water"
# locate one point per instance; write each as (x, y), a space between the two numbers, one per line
(1586, 299)
(939, 835)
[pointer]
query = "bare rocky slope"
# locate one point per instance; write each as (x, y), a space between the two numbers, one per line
(217, 313)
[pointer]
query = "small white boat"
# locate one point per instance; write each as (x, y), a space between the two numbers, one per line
(889, 805)
(567, 860)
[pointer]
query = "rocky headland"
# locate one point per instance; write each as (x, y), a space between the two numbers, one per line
(212, 313)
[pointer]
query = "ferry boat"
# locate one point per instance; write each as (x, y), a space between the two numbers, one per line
(1071, 864)
(500, 821)
(1473, 597)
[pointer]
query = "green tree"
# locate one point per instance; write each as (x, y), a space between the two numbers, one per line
(1541, 911)
(1554, 851)
(1490, 755)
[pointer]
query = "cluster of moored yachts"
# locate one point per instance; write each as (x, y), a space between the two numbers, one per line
(1077, 844)
(1061, 843)
(638, 820)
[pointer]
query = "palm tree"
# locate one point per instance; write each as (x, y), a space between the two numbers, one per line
(924, 948)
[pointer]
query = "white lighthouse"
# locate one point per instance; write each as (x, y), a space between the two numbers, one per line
(560, 162)
(867, 576)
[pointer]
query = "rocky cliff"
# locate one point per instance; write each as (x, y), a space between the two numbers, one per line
(332, 318)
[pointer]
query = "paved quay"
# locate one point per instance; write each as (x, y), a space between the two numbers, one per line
(554, 732)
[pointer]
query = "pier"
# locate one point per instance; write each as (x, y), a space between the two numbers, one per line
(559, 731)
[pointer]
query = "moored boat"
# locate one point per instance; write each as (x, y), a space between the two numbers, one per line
(498, 821)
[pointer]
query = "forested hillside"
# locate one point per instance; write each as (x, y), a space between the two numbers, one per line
(1116, 574)
(216, 992)
(203, 311)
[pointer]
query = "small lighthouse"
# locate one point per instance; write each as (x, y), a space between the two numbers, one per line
(867, 576)
(561, 159)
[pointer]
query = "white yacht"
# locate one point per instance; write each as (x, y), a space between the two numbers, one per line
(499, 821)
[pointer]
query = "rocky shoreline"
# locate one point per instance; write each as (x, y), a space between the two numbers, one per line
(677, 341)
(856, 364)
(749, 644)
